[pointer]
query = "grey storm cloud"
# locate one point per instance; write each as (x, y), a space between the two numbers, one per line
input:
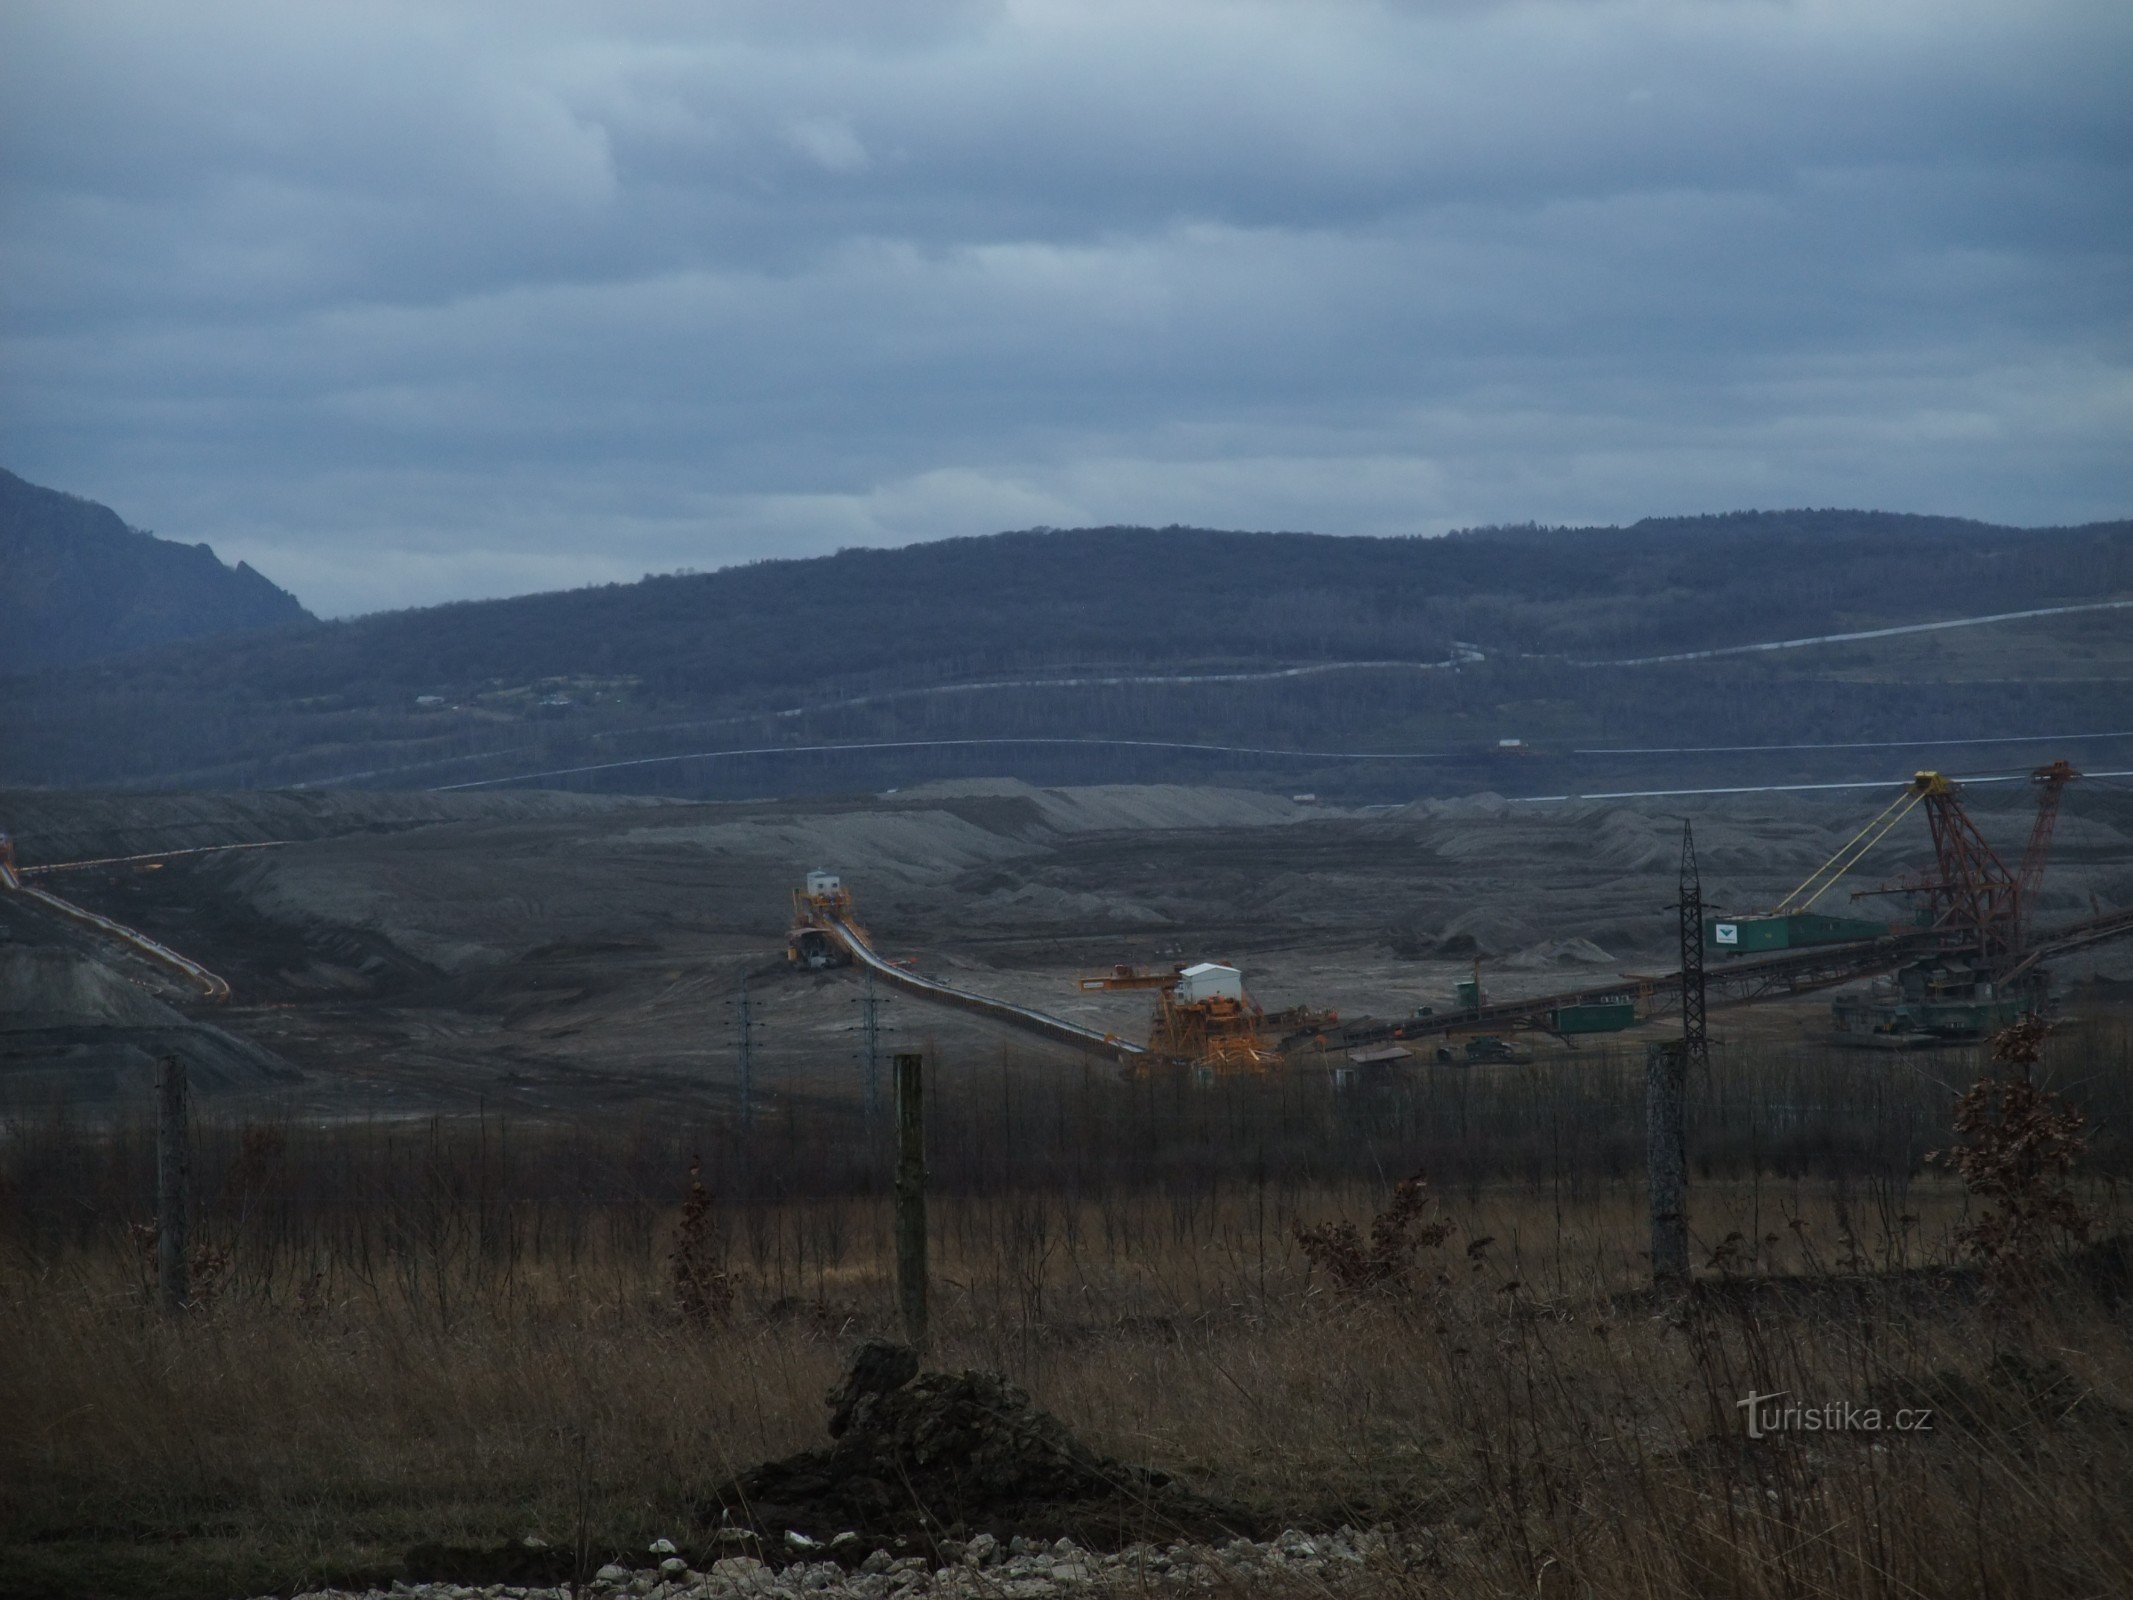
(409, 302)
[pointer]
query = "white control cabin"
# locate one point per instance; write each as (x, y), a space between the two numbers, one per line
(1209, 980)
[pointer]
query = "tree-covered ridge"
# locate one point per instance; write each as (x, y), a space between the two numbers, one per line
(579, 676)
(82, 585)
(1120, 595)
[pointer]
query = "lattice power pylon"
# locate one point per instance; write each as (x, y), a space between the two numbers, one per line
(1694, 1041)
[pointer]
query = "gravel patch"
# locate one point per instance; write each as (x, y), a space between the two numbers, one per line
(983, 1568)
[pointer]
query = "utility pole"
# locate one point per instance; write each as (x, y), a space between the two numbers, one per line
(174, 1171)
(911, 1197)
(1666, 1073)
(1694, 1043)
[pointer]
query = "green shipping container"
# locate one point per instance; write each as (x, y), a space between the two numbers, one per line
(1748, 935)
(1610, 1016)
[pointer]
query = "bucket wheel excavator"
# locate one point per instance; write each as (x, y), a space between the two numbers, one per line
(1980, 971)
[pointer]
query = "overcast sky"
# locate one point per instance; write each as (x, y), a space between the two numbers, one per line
(409, 303)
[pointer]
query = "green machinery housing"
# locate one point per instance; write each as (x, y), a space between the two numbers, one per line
(1597, 1016)
(1793, 930)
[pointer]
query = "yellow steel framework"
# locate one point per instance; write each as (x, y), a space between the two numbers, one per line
(1824, 878)
(821, 918)
(1220, 1034)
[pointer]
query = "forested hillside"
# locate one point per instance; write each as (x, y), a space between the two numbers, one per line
(80, 584)
(914, 644)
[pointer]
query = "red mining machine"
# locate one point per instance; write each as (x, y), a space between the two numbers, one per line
(1967, 964)
(1980, 973)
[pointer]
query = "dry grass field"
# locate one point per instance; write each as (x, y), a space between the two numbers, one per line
(465, 1332)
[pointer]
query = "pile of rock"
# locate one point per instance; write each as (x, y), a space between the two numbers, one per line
(935, 1483)
(982, 1568)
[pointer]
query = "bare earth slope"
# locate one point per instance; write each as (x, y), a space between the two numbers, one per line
(547, 951)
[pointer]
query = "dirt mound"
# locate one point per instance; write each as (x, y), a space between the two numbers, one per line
(1552, 953)
(52, 825)
(938, 1453)
(41, 985)
(1126, 807)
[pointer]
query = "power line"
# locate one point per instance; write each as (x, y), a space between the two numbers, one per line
(1863, 633)
(950, 744)
(870, 1025)
(1777, 788)
(1861, 744)
(745, 1054)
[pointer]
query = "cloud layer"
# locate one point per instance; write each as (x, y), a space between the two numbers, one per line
(406, 302)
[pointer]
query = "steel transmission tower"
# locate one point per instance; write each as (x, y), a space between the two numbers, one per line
(1667, 1064)
(1695, 1045)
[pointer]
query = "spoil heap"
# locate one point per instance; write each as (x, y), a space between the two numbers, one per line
(939, 1454)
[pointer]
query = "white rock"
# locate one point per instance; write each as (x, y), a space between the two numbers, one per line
(796, 1540)
(611, 1574)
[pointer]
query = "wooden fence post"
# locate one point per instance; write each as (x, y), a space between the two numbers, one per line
(911, 1197)
(173, 1182)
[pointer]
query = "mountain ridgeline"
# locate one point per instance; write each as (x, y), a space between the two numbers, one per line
(82, 585)
(900, 646)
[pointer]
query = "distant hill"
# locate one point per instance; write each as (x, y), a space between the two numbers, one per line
(853, 647)
(81, 585)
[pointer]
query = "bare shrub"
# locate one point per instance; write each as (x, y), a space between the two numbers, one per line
(2018, 1148)
(703, 1290)
(1398, 1234)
